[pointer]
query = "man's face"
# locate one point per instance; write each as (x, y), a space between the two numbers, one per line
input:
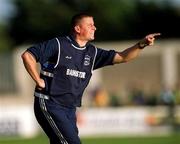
(86, 29)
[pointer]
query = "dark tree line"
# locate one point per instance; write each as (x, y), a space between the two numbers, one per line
(115, 20)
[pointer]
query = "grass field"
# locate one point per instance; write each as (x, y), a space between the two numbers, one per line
(171, 139)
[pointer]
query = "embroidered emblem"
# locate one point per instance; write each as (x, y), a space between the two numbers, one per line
(87, 59)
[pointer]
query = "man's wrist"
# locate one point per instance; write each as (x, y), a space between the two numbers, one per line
(142, 44)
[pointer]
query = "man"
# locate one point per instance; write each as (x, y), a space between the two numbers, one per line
(67, 64)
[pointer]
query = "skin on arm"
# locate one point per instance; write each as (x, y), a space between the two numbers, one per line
(31, 67)
(132, 52)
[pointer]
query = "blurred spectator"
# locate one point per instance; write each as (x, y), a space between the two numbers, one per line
(137, 96)
(177, 94)
(114, 100)
(166, 96)
(151, 100)
(101, 97)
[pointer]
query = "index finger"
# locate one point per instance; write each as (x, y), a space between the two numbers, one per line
(155, 34)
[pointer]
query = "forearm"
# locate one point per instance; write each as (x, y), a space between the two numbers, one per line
(31, 66)
(127, 55)
(130, 53)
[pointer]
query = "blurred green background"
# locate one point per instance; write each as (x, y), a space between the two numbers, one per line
(33, 21)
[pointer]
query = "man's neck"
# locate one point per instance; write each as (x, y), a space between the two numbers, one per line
(80, 41)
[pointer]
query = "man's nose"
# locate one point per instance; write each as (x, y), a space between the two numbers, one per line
(94, 28)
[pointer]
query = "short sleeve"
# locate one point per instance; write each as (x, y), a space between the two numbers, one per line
(44, 51)
(104, 58)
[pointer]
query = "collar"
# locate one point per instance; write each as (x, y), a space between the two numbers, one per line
(74, 43)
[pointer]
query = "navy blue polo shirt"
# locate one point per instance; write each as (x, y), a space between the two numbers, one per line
(71, 67)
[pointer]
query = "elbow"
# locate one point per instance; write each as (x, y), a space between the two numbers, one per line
(120, 58)
(125, 61)
(118, 61)
(24, 56)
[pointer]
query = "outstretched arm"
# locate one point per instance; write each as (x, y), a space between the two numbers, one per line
(132, 52)
(31, 67)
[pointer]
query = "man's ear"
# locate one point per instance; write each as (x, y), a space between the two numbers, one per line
(77, 28)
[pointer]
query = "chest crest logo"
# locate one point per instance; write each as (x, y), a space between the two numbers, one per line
(87, 59)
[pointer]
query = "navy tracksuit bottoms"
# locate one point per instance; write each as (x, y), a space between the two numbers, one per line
(58, 122)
